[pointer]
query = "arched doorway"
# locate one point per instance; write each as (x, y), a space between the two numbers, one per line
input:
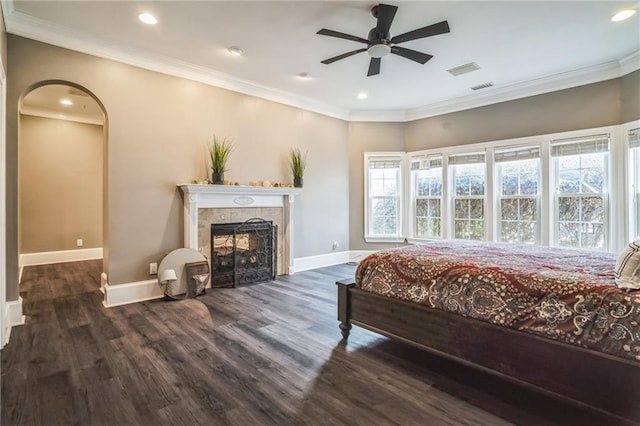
(62, 140)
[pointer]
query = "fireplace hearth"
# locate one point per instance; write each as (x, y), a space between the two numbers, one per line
(243, 252)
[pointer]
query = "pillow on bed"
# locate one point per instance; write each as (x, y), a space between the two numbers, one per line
(627, 272)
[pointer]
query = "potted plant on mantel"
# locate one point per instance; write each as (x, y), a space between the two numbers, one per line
(219, 151)
(298, 162)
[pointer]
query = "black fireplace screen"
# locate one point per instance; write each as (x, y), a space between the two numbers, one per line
(243, 252)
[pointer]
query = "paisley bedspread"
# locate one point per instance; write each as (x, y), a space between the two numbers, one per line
(561, 294)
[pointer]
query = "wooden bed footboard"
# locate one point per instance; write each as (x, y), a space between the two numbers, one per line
(591, 378)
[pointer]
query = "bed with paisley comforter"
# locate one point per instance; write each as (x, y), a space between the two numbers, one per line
(548, 318)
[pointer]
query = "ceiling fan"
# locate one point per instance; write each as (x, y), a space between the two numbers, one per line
(380, 43)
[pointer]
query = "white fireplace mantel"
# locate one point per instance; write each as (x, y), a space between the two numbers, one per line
(230, 196)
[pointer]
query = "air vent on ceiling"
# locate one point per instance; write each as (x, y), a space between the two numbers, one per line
(464, 69)
(482, 86)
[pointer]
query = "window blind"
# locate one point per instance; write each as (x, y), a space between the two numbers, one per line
(468, 158)
(577, 146)
(634, 138)
(384, 164)
(515, 154)
(427, 163)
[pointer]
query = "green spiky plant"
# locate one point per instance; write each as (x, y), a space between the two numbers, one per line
(297, 162)
(219, 151)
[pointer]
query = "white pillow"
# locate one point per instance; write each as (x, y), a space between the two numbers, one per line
(627, 271)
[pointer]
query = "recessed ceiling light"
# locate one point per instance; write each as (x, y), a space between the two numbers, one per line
(148, 18)
(66, 101)
(235, 51)
(304, 76)
(362, 95)
(623, 14)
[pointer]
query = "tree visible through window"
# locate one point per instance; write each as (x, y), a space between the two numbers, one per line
(518, 193)
(384, 197)
(468, 195)
(581, 170)
(427, 192)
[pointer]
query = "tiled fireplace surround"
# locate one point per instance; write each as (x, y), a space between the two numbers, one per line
(207, 204)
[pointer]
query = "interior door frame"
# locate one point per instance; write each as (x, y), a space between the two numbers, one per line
(3, 206)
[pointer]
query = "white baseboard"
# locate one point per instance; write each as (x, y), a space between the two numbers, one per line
(123, 294)
(358, 255)
(47, 257)
(14, 317)
(312, 262)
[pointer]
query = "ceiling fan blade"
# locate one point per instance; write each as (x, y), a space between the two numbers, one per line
(344, 55)
(374, 67)
(385, 13)
(414, 55)
(428, 31)
(337, 34)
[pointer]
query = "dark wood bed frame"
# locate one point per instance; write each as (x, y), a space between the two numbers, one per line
(593, 379)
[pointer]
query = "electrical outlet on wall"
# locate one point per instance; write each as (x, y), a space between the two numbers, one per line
(153, 268)
(79, 242)
(335, 246)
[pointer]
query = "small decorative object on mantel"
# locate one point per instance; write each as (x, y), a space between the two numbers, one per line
(298, 162)
(219, 151)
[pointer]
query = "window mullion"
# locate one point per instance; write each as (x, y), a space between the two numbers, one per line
(489, 216)
(445, 204)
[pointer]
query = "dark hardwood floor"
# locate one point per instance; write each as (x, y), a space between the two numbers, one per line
(265, 354)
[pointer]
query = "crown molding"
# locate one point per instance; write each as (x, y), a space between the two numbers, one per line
(498, 94)
(7, 9)
(387, 115)
(27, 26)
(630, 63)
(56, 115)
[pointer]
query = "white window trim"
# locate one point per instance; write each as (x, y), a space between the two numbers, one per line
(629, 207)
(538, 197)
(450, 198)
(411, 204)
(619, 205)
(554, 195)
(399, 237)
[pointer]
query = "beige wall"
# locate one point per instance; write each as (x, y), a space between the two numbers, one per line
(605, 103)
(630, 97)
(581, 107)
(158, 127)
(364, 137)
(60, 184)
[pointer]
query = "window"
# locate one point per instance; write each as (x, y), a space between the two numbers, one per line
(581, 169)
(468, 176)
(383, 219)
(634, 177)
(518, 171)
(578, 189)
(426, 177)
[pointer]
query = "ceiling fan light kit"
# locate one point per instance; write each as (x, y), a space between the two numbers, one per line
(380, 43)
(379, 50)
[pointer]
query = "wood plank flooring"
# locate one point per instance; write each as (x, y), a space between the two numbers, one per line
(265, 354)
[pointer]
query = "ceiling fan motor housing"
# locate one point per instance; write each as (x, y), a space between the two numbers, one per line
(375, 36)
(378, 46)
